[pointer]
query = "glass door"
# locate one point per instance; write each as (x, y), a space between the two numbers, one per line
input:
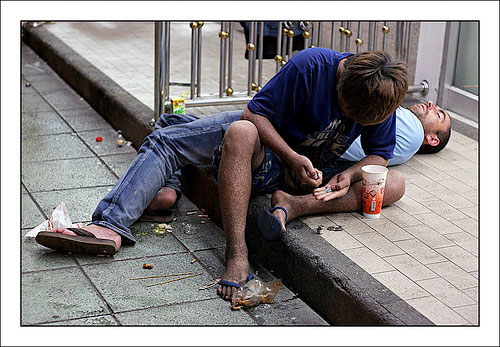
(459, 87)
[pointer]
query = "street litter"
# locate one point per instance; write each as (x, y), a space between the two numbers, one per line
(320, 229)
(335, 228)
(59, 219)
(147, 266)
(157, 276)
(203, 215)
(98, 139)
(254, 293)
(210, 284)
(193, 261)
(28, 84)
(163, 228)
(188, 213)
(175, 279)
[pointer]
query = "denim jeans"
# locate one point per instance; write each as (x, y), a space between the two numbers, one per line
(162, 154)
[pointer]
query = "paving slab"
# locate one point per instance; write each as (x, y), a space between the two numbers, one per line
(43, 123)
(30, 214)
(53, 147)
(105, 320)
(211, 312)
(122, 294)
(108, 145)
(79, 202)
(36, 257)
(119, 163)
(64, 174)
(36, 104)
(66, 99)
(58, 294)
(84, 119)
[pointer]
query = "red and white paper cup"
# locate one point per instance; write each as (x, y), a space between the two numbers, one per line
(374, 177)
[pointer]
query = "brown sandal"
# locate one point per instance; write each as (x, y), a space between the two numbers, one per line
(85, 242)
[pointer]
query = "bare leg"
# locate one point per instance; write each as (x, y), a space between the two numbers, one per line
(242, 152)
(297, 206)
(165, 199)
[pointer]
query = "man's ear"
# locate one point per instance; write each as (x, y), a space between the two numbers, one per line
(432, 139)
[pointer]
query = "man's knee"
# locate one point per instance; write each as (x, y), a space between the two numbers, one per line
(396, 187)
(241, 134)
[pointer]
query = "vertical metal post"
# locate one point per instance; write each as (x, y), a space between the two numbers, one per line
(320, 34)
(409, 45)
(251, 52)
(314, 33)
(348, 35)
(254, 57)
(332, 42)
(385, 31)
(374, 46)
(398, 39)
(359, 40)
(370, 36)
(194, 47)
(278, 57)
(222, 70)
(283, 43)
(291, 34)
(229, 90)
(198, 62)
(162, 40)
(341, 31)
(261, 53)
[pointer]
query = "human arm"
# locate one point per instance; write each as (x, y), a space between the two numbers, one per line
(340, 183)
(300, 164)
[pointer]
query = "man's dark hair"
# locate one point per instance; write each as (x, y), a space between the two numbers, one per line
(372, 86)
(443, 136)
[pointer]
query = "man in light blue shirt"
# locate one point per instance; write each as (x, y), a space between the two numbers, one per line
(420, 128)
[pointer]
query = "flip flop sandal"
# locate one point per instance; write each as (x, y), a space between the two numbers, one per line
(269, 225)
(162, 216)
(85, 242)
(234, 284)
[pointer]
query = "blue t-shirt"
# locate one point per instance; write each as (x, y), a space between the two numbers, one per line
(301, 102)
(409, 137)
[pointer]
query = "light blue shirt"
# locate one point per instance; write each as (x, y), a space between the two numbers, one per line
(409, 138)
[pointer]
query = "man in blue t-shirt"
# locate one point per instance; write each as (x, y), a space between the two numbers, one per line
(292, 134)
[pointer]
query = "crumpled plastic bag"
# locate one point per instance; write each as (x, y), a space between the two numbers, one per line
(254, 293)
(58, 219)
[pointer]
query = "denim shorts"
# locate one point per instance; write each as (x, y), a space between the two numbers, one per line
(269, 176)
(265, 179)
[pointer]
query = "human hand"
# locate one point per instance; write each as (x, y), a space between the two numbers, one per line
(335, 188)
(305, 171)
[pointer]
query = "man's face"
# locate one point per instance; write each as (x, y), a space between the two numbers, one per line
(433, 118)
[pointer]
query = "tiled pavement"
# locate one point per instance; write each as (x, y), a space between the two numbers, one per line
(61, 161)
(425, 246)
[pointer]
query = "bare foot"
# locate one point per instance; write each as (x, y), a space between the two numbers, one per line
(280, 198)
(165, 199)
(237, 271)
(99, 232)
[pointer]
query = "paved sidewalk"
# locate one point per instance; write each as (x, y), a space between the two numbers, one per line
(424, 248)
(61, 161)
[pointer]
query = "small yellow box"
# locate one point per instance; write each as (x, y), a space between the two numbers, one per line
(178, 105)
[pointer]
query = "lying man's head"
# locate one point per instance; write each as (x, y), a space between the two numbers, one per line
(437, 126)
(371, 86)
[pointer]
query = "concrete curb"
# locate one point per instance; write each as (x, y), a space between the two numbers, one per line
(333, 285)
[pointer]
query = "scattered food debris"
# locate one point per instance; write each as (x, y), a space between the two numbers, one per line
(189, 228)
(335, 228)
(203, 222)
(188, 213)
(147, 266)
(193, 261)
(98, 139)
(320, 229)
(203, 215)
(254, 293)
(28, 84)
(163, 228)
(120, 141)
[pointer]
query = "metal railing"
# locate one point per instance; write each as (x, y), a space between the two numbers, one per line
(312, 33)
